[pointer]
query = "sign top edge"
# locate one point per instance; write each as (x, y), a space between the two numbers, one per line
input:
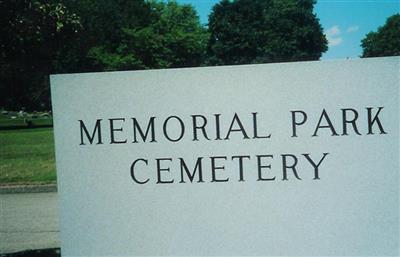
(373, 59)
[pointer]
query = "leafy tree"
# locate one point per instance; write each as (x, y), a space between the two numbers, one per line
(41, 37)
(259, 31)
(102, 28)
(173, 38)
(32, 32)
(384, 42)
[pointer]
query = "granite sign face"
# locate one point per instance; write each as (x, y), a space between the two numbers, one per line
(277, 159)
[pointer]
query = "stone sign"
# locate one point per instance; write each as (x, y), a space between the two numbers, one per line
(278, 159)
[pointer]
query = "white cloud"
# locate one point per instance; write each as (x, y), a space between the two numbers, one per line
(333, 36)
(335, 41)
(353, 28)
(333, 31)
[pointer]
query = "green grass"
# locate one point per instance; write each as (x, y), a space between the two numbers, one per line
(27, 156)
(13, 120)
(6, 123)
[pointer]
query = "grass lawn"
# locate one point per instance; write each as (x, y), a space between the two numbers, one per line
(27, 156)
(14, 120)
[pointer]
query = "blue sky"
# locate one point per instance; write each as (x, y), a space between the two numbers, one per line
(345, 23)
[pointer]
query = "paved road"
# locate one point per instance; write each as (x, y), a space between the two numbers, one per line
(28, 221)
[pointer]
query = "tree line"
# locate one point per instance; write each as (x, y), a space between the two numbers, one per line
(42, 37)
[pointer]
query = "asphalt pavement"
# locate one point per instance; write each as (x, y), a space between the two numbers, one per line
(28, 221)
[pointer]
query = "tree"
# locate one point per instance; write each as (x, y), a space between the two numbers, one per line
(384, 42)
(42, 37)
(259, 31)
(102, 28)
(31, 34)
(172, 38)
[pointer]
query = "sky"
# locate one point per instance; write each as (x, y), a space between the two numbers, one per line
(345, 22)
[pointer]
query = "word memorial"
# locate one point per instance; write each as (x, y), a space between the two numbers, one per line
(286, 159)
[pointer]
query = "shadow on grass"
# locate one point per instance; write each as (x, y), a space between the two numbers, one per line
(54, 252)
